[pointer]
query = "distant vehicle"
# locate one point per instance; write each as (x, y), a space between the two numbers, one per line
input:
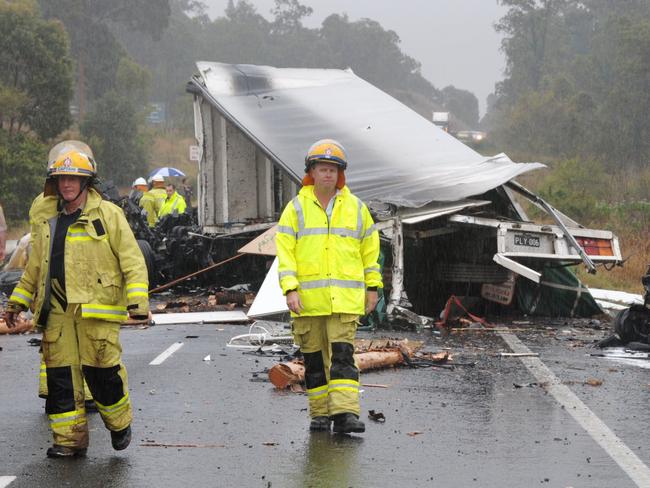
(474, 136)
(441, 119)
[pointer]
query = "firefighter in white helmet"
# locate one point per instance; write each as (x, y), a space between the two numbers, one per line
(138, 188)
(153, 200)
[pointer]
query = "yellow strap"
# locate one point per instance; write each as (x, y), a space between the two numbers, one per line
(136, 285)
(318, 392)
(344, 382)
(21, 296)
(115, 313)
(123, 402)
(74, 417)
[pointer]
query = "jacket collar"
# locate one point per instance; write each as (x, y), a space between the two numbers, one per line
(308, 191)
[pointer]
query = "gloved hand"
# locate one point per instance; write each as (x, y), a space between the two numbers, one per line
(138, 316)
(10, 318)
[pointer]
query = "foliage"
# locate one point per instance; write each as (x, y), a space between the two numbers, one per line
(132, 81)
(23, 161)
(462, 103)
(111, 129)
(93, 43)
(575, 186)
(576, 80)
(245, 36)
(35, 71)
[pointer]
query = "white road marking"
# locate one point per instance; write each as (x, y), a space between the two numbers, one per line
(6, 480)
(166, 353)
(596, 428)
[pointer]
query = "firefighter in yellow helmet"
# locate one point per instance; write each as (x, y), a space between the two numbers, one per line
(152, 201)
(327, 249)
(85, 275)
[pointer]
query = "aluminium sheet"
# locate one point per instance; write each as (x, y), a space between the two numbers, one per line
(395, 155)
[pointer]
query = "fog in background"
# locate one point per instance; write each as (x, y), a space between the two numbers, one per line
(453, 39)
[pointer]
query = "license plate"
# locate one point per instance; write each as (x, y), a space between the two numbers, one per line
(525, 240)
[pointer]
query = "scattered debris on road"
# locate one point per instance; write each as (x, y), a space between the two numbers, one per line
(376, 416)
(369, 355)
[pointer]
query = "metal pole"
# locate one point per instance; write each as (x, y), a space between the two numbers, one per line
(591, 267)
(212, 266)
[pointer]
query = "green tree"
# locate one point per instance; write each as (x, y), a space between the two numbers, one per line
(529, 28)
(23, 161)
(35, 71)
(621, 56)
(133, 82)
(93, 43)
(575, 186)
(374, 54)
(462, 103)
(111, 128)
(289, 15)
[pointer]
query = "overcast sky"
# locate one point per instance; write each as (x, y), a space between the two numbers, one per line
(453, 39)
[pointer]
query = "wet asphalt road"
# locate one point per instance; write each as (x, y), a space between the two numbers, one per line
(469, 427)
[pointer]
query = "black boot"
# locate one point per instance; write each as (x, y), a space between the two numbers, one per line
(320, 424)
(345, 423)
(57, 451)
(121, 439)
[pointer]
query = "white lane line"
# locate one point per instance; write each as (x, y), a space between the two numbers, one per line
(166, 353)
(6, 480)
(603, 435)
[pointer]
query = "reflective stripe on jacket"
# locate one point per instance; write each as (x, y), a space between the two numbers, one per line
(175, 203)
(104, 268)
(330, 264)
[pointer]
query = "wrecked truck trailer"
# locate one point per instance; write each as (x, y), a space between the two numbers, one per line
(448, 217)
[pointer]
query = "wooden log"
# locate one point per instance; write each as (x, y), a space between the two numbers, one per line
(283, 375)
(378, 359)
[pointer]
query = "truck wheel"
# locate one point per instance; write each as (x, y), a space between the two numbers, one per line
(150, 261)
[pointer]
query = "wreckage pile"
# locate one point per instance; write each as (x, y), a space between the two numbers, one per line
(206, 301)
(368, 355)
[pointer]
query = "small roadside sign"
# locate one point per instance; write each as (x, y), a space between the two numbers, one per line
(195, 155)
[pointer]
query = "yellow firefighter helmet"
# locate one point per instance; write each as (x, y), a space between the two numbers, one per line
(70, 158)
(326, 151)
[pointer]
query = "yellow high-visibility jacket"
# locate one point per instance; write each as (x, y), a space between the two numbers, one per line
(175, 203)
(105, 271)
(330, 264)
(159, 195)
(148, 204)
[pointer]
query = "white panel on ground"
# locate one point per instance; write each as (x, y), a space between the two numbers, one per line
(269, 299)
(619, 297)
(199, 318)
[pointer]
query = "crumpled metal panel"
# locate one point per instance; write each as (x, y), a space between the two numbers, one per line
(395, 155)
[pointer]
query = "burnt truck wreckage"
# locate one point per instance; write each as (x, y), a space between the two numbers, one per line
(173, 248)
(632, 324)
(176, 246)
(449, 221)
